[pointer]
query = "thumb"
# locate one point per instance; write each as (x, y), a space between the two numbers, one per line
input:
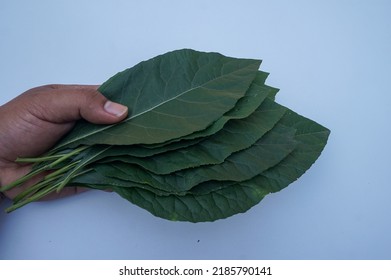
(66, 103)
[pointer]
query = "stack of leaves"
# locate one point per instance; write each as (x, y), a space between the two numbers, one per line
(204, 140)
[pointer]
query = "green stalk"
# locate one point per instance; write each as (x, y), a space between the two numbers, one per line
(34, 188)
(72, 173)
(46, 167)
(66, 156)
(22, 179)
(46, 181)
(48, 157)
(38, 159)
(54, 181)
(32, 198)
(42, 188)
(61, 170)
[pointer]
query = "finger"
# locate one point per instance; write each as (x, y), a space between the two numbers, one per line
(65, 103)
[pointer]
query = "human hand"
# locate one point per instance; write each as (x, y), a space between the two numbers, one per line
(33, 122)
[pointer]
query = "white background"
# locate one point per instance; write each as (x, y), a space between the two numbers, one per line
(332, 62)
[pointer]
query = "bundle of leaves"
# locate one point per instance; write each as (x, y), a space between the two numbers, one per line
(204, 140)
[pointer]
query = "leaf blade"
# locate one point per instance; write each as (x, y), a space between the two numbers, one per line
(214, 81)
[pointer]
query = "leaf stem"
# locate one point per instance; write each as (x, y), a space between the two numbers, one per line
(61, 170)
(32, 198)
(66, 156)
(34, 188)
(22, 179)
(41, 189)
(54, 181)
(38, 159)
(60, 158)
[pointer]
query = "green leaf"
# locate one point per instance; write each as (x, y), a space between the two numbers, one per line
(237, 134)
(253, 98)
(142, 151)
(243, 165)
(213, 206)
(312, 138)
(245, 106)
(169, 96)
(95, 180)
(230, 198)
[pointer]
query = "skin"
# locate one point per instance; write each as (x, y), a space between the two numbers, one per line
(34, 121)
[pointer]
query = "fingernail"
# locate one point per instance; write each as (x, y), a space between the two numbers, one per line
(115, 109)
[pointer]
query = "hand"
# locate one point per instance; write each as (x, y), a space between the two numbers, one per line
(33, 122)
